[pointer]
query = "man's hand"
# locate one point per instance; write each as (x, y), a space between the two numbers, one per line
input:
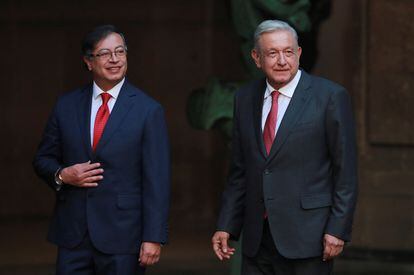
(220, 245)
(332, 247)
(85, 174)
(149, 253)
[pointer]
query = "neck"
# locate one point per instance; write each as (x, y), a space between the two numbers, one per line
(106, 86)
(277, 86)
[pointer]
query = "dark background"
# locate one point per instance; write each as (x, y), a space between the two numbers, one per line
(174, 47)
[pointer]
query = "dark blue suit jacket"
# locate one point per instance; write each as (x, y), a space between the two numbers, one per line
(307, 183)
(131, 203)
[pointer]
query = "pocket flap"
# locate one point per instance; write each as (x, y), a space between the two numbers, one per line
(128, 201)
(316, 201)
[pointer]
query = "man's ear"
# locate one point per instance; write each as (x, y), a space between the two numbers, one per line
(88, 63)
(299, 51)
(256, 57)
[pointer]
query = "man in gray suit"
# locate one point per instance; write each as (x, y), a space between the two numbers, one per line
(293, 182)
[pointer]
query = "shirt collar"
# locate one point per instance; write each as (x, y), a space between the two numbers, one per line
(114, 92)
(286, 90)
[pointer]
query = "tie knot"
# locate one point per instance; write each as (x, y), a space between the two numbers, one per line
(275, 95)
(105, 98)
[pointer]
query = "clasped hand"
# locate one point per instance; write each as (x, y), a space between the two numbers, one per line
(85, 174)
(149, 253)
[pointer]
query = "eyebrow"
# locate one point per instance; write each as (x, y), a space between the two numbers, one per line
(109, 49)
(287, 48)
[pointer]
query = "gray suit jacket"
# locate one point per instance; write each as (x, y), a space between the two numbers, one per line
(307, 183)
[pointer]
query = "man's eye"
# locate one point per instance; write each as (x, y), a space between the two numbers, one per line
(289, 53)
(104, 54)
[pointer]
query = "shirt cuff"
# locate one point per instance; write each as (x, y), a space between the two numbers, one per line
(58, 180)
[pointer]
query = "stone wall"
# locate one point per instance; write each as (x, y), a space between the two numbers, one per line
(368, 47)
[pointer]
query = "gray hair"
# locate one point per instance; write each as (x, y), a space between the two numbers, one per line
(271, 26)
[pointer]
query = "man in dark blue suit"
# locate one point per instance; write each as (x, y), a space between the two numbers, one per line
(293, 182)
(105, 153)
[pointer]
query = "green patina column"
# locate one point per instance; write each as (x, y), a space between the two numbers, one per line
(211, 107)
(247, 14)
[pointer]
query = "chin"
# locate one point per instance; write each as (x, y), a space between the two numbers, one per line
(282, 81)
(115, 77)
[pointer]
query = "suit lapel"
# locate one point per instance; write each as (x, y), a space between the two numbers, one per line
(258, 93)
(292, 114)
(123, 103)
(84, 118)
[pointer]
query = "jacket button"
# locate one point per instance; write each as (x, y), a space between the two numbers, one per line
(266, 172)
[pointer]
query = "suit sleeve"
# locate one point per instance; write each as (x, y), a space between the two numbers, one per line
(342, 147)
(47, 159)
(232, 207)
(156, 178)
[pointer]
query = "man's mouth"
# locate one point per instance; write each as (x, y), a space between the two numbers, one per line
(114, 69)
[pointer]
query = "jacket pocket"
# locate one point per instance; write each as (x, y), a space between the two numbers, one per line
(128, 201)
(316, 201)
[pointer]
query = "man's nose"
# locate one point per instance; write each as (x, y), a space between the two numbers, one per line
(114, 57)
(282, 59)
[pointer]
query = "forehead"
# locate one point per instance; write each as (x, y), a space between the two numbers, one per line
(279, 39)
(111, 41)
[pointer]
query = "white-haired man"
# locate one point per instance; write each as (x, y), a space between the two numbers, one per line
(293, 182)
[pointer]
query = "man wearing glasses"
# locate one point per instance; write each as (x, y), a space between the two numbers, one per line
(105, 153)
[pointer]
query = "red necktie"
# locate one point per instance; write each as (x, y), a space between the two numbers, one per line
(101, 118)
(270, 125)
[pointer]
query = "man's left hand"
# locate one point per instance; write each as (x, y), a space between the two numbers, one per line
(149, 253)
(332, 247)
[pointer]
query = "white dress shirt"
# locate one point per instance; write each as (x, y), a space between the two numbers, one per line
(97, 101)
(286, 93)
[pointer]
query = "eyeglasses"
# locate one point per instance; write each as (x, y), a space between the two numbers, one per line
(105, 54)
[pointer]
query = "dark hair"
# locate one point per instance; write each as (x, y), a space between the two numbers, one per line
(93, 37)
